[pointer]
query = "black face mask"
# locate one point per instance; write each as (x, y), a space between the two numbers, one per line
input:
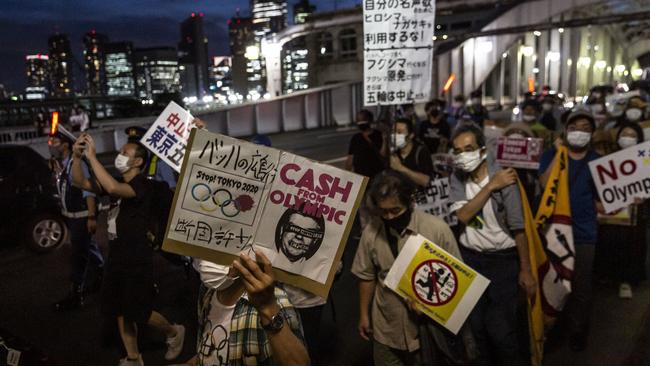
(364, 126)
(400, 222)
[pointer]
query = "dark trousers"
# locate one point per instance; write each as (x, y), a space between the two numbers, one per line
(494, 319)
(311, 318)
(86, 255)
(578, 308)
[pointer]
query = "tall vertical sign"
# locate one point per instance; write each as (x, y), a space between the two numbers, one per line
(398, 51)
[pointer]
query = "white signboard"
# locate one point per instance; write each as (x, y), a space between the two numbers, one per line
(167, 137)
(434, 200)
(233, 194)
(623, 176)
(398, 51)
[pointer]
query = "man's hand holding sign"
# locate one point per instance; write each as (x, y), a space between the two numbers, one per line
(233, 196)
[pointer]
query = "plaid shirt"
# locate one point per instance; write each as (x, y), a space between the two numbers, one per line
(248, 343)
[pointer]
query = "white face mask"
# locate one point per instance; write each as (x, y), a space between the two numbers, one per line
(616, 112)
(633, 114)
(122, 163)
(547, 107)
(457, 104)
(528, 117)
(476, 101)
(400, 140)
(578, 138)
(516, 136)
(625, 141)
(469, 161)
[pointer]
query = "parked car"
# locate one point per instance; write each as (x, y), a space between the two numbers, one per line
(30, 206)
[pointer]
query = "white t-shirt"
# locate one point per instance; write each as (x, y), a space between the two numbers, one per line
(484, 234)
(213, 345)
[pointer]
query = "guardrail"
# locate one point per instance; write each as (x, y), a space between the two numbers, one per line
(332, 105)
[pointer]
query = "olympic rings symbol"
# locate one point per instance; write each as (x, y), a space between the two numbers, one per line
(221, 199)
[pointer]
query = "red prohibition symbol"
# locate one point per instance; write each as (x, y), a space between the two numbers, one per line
(434, 282)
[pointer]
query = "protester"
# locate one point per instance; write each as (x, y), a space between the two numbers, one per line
(635, 110)
(244, 319)
(384, 316)
(456, 110)
(409, 157)
(530, 114)
(128, 285)
(155, 168)
(477, 112)
(79, 208)
(79, 120)
(579, 128)
(488, 203)
(548, 113)
(622, 238)
(365, 150)
(434, 132)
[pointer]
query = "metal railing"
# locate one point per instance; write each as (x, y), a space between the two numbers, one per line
(327, 106)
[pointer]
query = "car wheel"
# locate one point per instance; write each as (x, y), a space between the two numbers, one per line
(45, 232)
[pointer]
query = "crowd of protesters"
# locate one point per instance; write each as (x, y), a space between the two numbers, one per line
(245, 317)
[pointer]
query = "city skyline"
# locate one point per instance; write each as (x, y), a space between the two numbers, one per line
(150, 23)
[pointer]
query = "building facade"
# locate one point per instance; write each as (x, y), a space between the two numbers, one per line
(241, 37)
(193, 57)
(94, 67)
(119, 64)
(156, 72)
(302, 10)
(61, 76)
(38, 76)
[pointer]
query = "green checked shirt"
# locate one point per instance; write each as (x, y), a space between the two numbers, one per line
(247, 341)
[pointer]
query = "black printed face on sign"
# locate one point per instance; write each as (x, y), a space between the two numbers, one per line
(298, 235)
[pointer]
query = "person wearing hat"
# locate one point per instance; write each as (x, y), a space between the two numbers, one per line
(583, 198)
(79, 208)
(156, 169)
(530, 115)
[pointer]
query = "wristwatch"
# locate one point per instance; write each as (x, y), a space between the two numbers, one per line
(276, 324)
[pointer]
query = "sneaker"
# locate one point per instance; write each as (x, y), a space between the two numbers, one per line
(73, 301)
(625, 291)
(175, 344)
(126, 362)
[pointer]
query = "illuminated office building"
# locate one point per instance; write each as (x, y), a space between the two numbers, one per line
(38, 76)
(156, 72)
(94, 44)
(61, 76)
(120, 80)
(193, 57)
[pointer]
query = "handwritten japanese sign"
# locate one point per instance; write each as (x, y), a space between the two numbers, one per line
(622, 176)
(519, 152)
(234, 195)
(398, 50)
(434, 200)
(167, 137)
(441, 286)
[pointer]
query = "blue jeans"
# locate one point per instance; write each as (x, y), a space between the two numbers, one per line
(494, 319)
(85, 252)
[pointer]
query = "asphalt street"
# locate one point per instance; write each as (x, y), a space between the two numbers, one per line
(31, 283)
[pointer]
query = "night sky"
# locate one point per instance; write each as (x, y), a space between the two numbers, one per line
(25, 26)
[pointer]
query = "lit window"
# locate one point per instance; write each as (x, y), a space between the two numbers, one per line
(326, 45)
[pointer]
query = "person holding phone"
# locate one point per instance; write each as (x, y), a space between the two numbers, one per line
(128, 289)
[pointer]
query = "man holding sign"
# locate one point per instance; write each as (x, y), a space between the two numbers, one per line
(384, 315)
(488, 203)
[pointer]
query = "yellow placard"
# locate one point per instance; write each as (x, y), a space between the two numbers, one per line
(441, 286)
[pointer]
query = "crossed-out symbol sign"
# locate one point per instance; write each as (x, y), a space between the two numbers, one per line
(434, 282)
